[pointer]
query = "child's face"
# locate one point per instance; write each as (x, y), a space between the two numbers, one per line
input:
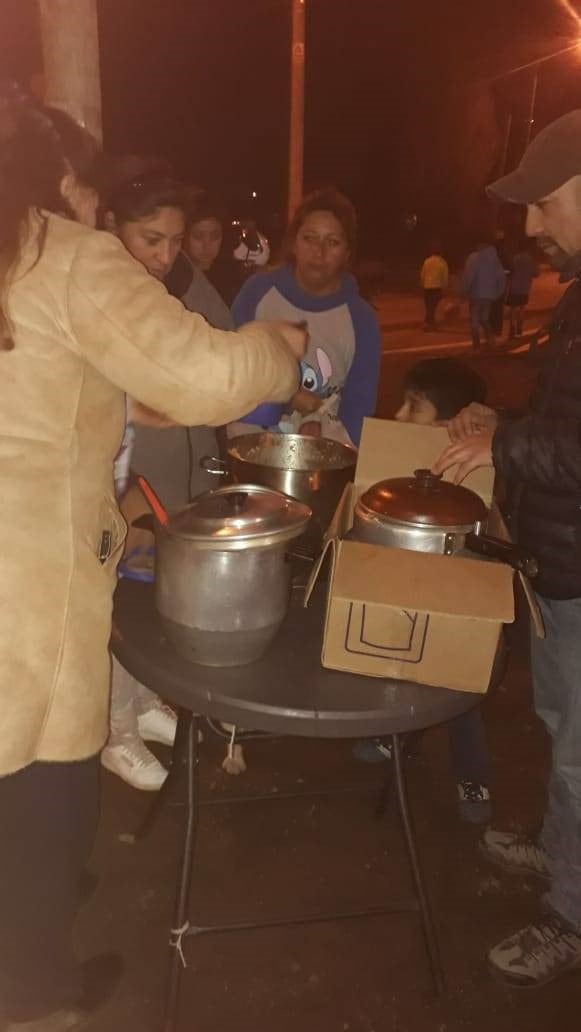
(417, 408)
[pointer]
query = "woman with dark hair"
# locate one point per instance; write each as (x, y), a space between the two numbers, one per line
(148, 216)
(340, 371)
(81, 323)
(208, 244)
(147, 213)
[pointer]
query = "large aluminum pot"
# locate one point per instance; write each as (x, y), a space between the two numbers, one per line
(223, 579)
(313, 470)
(424, 513)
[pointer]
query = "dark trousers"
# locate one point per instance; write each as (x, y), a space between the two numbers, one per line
(432, 298)
(497, 316)
(480, 314)
(48, 817)
(469, 756)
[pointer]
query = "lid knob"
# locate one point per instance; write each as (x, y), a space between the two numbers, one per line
(426, 479)
(237, 500)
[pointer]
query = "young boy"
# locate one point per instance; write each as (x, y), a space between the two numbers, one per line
(435, 390)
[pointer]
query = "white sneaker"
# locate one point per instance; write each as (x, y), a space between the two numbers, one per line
(132, 761)
(158, 724)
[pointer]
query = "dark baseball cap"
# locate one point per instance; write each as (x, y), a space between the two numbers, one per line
(553, 158)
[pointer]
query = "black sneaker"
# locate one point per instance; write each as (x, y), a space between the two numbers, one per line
(473, 802)
(372, 750)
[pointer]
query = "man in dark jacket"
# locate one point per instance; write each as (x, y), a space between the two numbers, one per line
(540, 458)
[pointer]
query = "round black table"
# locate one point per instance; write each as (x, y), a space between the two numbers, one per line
(287, 692)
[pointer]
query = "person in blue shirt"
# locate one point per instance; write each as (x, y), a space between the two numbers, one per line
(340, 372)
(483, 283)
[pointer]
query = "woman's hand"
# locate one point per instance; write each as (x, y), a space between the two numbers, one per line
(468, 454)
(305, 402)
(473, 419)
(295, 335)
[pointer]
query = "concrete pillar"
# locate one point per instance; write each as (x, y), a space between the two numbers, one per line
(70, 43)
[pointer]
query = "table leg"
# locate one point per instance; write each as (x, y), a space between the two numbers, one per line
(178, 753)
(420, 888)
(409, 749)
(181, 908)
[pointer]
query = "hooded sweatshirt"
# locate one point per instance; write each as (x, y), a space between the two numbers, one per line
(484, 277)
(343, 356)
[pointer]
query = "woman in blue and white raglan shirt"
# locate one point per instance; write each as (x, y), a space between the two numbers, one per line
(340, 371)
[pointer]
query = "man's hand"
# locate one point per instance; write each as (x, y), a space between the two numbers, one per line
(295, 336)
(473, 419)
(468, 454)
(311, 429)
(305, 402)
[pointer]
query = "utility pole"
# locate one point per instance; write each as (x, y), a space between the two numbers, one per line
(532, 106)
(506, 144)
(70, 45)
(297, 107)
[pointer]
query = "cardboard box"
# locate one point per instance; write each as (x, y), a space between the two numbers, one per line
(411, 616)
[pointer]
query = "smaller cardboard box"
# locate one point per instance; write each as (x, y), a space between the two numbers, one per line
(411, 616)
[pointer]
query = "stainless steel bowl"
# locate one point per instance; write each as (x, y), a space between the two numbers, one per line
(313, 470)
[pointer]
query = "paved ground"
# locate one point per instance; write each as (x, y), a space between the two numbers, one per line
(509, 369)
(276, 857)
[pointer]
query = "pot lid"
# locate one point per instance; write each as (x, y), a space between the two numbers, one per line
(425, 500)
(240, 515)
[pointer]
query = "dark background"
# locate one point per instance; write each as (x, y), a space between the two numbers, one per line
(400, 110)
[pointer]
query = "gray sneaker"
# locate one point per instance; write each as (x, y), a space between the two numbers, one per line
(517, 853)
(537, 954)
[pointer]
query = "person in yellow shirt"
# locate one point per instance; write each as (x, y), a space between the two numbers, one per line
(434, 280)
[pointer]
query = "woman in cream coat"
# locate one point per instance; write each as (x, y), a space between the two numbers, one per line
(81, 323)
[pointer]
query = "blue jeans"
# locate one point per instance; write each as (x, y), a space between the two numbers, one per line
(556, 670)
(480, 311)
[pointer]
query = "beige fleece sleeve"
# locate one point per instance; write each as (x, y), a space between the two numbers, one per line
(123, 321)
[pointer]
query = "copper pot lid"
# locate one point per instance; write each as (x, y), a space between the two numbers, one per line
(238, 515)
(425, 500)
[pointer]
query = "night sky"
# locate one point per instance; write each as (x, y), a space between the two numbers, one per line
(205, 83)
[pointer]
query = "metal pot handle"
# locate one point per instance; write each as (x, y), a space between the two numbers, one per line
(504, 551)
(213, 465)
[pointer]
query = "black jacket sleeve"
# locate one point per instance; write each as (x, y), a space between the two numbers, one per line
(539, 451)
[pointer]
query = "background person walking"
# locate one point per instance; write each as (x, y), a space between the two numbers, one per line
(434, 278)
(483, 282)
(523, 271)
